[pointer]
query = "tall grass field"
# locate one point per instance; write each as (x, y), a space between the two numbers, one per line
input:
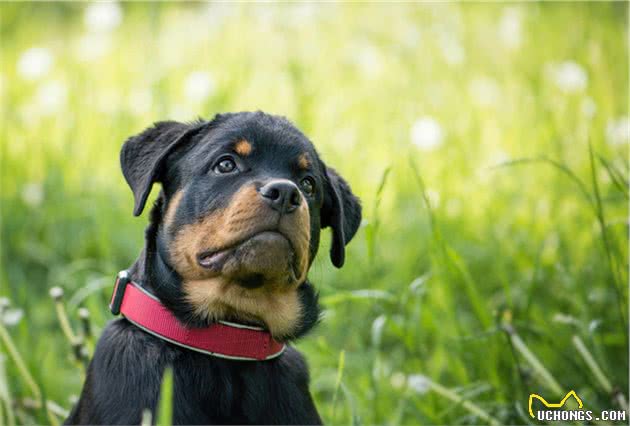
(487, 141)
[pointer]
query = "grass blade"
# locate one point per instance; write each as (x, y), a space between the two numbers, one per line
(459, 400)
(591, 363)
(6, 340)
(533, 361)
(340, 368)
(615, 176)
(165, 408)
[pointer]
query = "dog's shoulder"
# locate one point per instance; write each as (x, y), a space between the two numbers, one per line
(132, 346)
(126, 359)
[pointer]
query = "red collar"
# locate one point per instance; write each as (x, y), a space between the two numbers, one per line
(223, 339)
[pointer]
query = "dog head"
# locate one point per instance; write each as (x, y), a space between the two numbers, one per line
(237, 225)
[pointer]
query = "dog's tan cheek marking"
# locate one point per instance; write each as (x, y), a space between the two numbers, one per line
(243, 147)
(215, 298)
(217, 230)
(303, 238)
(188, 242)
(173, 204)
(303, 161)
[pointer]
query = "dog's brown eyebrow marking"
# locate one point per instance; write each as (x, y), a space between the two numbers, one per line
(243, 147)
(303, 161)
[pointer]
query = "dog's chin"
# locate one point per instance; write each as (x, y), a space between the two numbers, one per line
(266, 258)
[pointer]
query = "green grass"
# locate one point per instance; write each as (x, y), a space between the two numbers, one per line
(492, 266)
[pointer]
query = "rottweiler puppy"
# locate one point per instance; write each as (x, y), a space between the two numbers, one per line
(230, 240)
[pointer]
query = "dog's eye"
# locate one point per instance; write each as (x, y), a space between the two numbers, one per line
(226, 165)
(307, 185)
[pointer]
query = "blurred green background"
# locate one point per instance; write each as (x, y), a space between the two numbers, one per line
(488, 142)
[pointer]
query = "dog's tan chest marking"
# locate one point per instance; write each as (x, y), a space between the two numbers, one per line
(277, 307)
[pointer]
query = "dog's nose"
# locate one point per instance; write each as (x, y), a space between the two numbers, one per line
(282, 195)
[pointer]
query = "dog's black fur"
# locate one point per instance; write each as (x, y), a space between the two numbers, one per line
(124, 376)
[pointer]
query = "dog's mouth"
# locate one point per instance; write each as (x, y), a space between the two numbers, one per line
(265, 257)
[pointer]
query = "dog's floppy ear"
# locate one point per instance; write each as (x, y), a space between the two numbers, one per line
(142, 156)
(342, 212)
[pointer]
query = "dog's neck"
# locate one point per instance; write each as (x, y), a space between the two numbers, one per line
(153, 273)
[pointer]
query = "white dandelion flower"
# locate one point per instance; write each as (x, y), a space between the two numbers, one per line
(570, 77)
(12, 316)
(35, 63)
(618, 131)
(418, 383)
(102, 16)
(56, 293)
(426, 133)
(198, 86)
(32, 194)
(511, 28)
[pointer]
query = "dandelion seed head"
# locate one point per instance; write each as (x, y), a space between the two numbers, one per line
(511, 28)
(426, 133)
(569, 76)
(12, 317)
(198, 86)
(35, 63)
(618, 131)
(32, 194)
(56, 293)
(102, 16)
(418, 383)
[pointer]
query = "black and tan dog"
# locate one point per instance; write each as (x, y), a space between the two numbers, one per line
(231, 238)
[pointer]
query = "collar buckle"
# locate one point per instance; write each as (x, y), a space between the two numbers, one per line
(122, 279)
